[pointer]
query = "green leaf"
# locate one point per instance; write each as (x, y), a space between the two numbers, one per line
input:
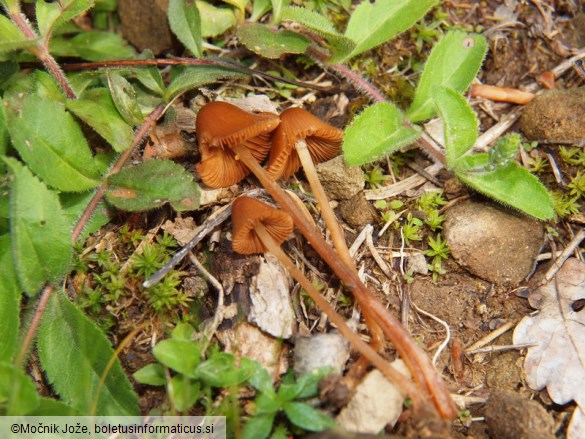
(101, 46)
(240, 4)
(152, 184)
(378, 131)
(52, 407)
(153, 375)
(261, 380)
(9, 301)
(74, 354)
(47, 88)
(215, 21)
(268, 42)
(4, 137)
(11, 38)
(185, 23)
(179, 355)
(340, 45)
(74, 203)
(194, 77)
(150, 77)
(124, 97)
(49, 140)
(40, 231)
(306, 417)
(51, 15)
(221, 370)
(308, 384)
(372, 24)
(184, 392)
(259, 426)
(18, 395)
(97, 109)
(512, 185)
(453, 63)
(277, 7)
(261, 7)
(459, 120)
(184, 331)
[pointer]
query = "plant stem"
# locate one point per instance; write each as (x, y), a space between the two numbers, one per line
(405, 387)
(414, 357)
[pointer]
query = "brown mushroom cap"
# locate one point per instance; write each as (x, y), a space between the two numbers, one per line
(246, 214)
(220, 126)
(323, 141)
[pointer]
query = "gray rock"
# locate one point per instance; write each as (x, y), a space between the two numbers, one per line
(495, 243)
(340, 181)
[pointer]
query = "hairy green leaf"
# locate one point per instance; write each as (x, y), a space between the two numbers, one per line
(152, 184)
(215, 20)
(74, 354)
(153, 375)
(101, 46)
(459, 121)
(371, 24)
(185, 22)
(268, 42)
(49, 140)
(340, 45)
(9, 301)
(124, 97)
(259, 426)
(150, 77)
(40, 230)
(453, 63)
(18, 395)
(184, 392)
(180, 355)
(74, 203)
(305, 416)
(378, 131)
(194, 77)
(221, 370)
(11, 38)
(3, 132)
(97, 109)
(52, 407)
(512, 185)
(53, 14)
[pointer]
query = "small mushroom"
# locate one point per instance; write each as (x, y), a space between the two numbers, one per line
(258, 228)
(219, 127)
(303, 139)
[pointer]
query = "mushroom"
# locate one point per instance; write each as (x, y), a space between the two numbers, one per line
(302, 139)
(414, 357)
(219, 126)
(258, 228)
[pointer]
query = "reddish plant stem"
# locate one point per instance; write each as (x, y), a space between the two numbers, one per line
(416, 360)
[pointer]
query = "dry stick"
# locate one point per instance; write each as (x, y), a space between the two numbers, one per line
(81, 223)
(416, 360)
(404, 386)
(558, 263)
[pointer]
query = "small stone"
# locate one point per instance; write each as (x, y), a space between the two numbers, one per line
(340, 181)
(555, 115)
(320, 350)
(494, 243)
(145, 24)
(511, 416)
(357, 212)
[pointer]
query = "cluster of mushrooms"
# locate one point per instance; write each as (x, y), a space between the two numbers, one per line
(233, 143)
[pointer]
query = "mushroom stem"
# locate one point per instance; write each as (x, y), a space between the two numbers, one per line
(417, 361)
(326, 210)
(405, 387)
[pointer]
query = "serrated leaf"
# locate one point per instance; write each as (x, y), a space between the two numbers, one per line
(269, 43)
(512, 185)
(40, 231)
(18, 395)
(306, 417)
(150, 77)
(97, 109)
(459, 120)
(74, 354)
(185, 22)
(453, 62)
(180, 355)
(53, 14)
(101, 46)
(153, 375)
(378, 131)
(11, 38)
(150, 185)
(215, 21)
(340, 45)
(124, 97)
(49, 140)
(194, 77)
(371, 24)
(9, 301)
